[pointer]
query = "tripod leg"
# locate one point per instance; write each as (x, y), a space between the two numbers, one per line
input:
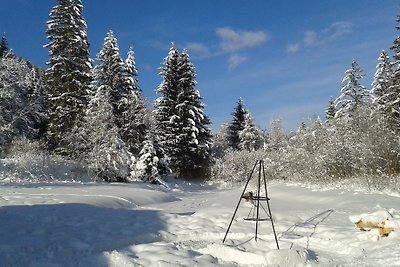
(269, 209)
(258, 198)
(238, 204)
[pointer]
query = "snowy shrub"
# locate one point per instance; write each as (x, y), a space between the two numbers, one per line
(25, 150)
(28, 161)
(235, 166)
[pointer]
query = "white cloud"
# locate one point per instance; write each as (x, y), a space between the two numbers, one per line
(310, 37)
(232, 41)
(293, 48)
(198, 49)
(337, 30)
(235, 60)
(330, 34)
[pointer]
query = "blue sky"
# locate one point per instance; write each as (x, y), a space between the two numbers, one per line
(284, 58)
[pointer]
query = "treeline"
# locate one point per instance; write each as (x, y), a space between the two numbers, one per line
(94, 112)
(358, 139)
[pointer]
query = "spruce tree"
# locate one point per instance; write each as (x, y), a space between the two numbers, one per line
(353, 94)
(250, 138)
(191, 155)
(181, 124)
(132, 120)
(330, 111)
(380, 84)
(68, 76)
(236, 125)
(392, 98)
(165, 105)
(3, 46)
(107, 157)
(110, 71)
(148, 162)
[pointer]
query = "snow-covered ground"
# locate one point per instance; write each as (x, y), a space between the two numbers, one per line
(90, 224)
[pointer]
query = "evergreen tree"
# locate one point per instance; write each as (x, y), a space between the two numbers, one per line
(392, 98)
(330, 111)
(353, 94)
(165, 105)
(132, 120)
(237, 125)
(250, 138)
(381, 80)
(109, 71)
(68, 77)
(396, 47)
(3, 46)
(181, 124)
(191, 155)
(147, 165)
(107, 157)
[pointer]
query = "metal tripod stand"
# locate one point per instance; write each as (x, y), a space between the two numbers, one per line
(257, 199)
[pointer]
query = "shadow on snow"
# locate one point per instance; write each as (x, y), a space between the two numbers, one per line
(71, 234)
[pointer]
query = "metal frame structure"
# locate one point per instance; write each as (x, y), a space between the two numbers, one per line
(257, 200)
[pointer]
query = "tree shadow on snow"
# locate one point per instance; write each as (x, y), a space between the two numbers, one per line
(71, 234)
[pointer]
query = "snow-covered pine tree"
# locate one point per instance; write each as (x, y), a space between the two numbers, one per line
(392, 98)
(330, 111)
(353, 94)
(165, 105)
(148, 162)
(108, 156)
(236, 125)
(68, 76)
(396, 47)
(132, 120)
(3, 46)
(191, 156)
(250, 137)
(381, 80)
(110, 71)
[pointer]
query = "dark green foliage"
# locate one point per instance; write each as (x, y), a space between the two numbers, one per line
(237, 124)
(165, 105)
(68, 77)
(330, 111)
(3, 46)
(181, 122)
(133, 118)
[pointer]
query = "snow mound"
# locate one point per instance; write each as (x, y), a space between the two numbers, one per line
(377, 224)
(281, 257)
(287, 257)
(374, 217)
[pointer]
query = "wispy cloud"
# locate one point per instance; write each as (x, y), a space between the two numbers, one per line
(310, 37)
(332, 33)
(293, 48)
(235, 60)
(234, 40)
(198, 49)
(336, 31)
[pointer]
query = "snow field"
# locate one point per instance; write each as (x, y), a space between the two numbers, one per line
(142, 225)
